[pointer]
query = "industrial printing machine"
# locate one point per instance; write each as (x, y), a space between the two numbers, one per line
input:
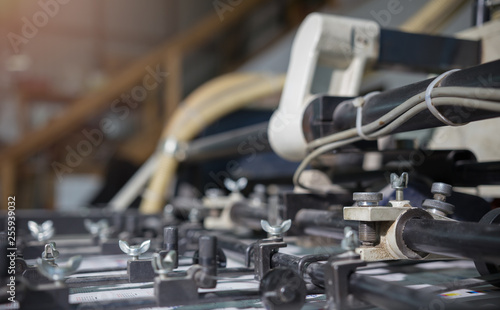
(393, 236)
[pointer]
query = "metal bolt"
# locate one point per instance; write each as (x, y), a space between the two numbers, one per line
(235, 186)
(441, 190)
(50, 254)
(399, 184)
(368, 234)
(41, 232)
(367, 198)
(134, 250)
(99, 229)
(208, 261)
(438, 204)
(171, 241)
(276, 231)
(58, 273)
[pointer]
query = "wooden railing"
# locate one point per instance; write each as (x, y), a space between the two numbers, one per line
(169, 56)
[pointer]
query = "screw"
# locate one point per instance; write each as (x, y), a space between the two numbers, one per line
(276, 231)
(134, 250)
(368, 234)
(399, 184)
(50, 254)
(367, 198)
(441, 190)
(438, 204)
(171, 241)
(235, 186)
(208, 261)
(98, 229)
(41, 232)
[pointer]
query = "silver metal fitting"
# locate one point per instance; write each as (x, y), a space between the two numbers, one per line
(438, 204)
(368, 232)
(276, 231)
(399, 183)
(134, 250)
(99, 229)
(441, 190)
(162, 266)
(367, 198)
(235, 186)
(50, 254)
(41, 232)
(58, 273)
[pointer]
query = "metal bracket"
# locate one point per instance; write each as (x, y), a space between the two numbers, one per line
(337, 273)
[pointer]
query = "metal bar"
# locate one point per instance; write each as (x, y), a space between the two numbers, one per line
(313, 270)
(387, 295)
(244, 214)
(230, 143)
(344, 117)
(456, 239)
(322, 218)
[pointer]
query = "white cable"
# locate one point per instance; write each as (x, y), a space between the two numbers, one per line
(428, 100)
(359, 102)
(451, 91)
(403, 118)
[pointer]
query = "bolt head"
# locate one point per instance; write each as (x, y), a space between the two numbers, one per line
(367, 197)
(441, 188)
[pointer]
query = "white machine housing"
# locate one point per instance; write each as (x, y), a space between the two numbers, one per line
(347, 45)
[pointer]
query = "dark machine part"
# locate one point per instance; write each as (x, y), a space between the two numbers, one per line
(263, 252)
(4, 262)
(293, 203)
(296, 207)
(171, 243)
(229, 143)
(485, 268)
(455, 239)
(221, 258)
(208, 261)
(282, 289)
(316, 123)
(405, 49)
(248, 216)
(140, 271)
(387, 295)
(322, 218)
(308, 266)
(46, 297)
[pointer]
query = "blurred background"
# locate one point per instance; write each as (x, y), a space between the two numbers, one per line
(87, 86)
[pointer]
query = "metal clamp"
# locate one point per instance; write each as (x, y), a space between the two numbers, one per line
(134, 250)
(42, 232)
(58, 273)
(162, 266)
